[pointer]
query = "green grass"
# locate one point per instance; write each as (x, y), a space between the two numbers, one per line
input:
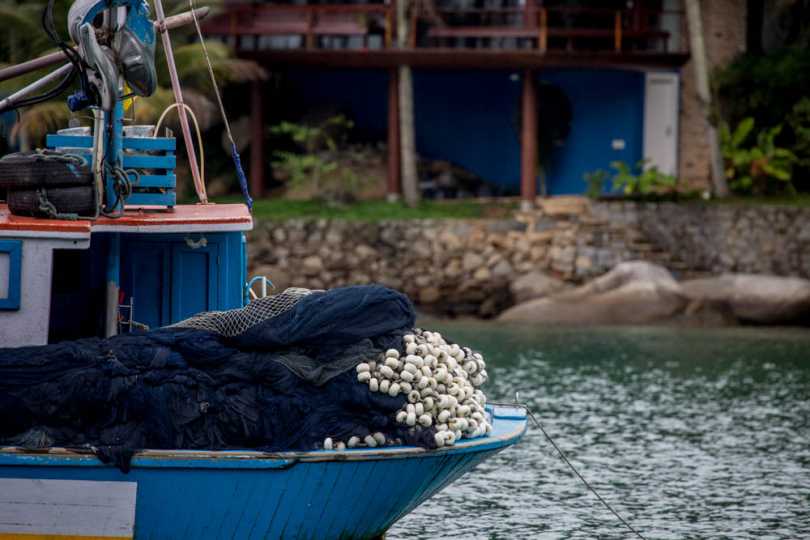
(801, 200)
(281, 209)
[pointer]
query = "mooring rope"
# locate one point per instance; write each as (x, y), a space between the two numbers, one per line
(240, 173)
(571, 466)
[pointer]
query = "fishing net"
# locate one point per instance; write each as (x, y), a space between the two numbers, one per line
(236, 321)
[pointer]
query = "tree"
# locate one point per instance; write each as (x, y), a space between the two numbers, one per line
(410, 176)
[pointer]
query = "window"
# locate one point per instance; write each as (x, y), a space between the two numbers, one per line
(10, 274)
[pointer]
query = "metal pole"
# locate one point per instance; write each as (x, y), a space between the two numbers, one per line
(34, 86)
(528, 141)
(394, 166)
(113, 279)
(10, 72)
(178, 97)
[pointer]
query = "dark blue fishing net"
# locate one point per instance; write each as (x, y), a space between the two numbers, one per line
(284, 384)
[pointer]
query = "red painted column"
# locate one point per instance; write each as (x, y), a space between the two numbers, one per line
(394, 186)
(256, 140)
(528, 140)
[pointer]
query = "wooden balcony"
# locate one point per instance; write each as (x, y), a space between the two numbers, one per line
(364, 35)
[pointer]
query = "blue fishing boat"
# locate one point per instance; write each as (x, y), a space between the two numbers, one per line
(92, 244)
(354, 493)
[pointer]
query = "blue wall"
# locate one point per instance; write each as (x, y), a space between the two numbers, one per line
(471, 117)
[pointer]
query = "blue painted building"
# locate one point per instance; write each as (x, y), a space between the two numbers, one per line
(489, 85)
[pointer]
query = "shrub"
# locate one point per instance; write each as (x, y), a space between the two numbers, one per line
(641, 181)
(760, 168)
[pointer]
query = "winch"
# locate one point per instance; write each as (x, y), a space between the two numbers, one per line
(114, 60)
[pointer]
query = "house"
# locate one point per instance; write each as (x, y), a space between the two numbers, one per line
(500, 86)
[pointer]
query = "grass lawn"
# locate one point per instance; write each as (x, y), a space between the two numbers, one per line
(800, 200)
(376, 210)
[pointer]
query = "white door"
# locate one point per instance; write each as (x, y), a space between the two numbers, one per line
(661, 121)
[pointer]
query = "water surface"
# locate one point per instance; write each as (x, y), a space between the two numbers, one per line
(688, 433)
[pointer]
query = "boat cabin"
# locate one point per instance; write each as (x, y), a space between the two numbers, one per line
(68, 279)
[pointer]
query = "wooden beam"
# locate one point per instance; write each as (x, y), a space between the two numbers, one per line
(256, 140)
(394, 185)
(449, 58)
(542, 39)
(528, 140)
(617, 32)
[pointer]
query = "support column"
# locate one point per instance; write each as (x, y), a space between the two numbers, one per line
(528, 141)
(113, 285)
(394, 186)
(256, 140)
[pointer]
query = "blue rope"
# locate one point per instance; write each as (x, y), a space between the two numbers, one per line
(243, 185)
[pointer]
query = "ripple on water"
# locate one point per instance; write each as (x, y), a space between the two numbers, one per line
(688, 433)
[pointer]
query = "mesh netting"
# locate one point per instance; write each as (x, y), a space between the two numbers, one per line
(235, 321)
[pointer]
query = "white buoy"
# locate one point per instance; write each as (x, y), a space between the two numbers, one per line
(364, 376)
(340, 445)
(392, 353)
(374, 384)
(370, 441)
(353, 441)
(361, 367)
(327, 443)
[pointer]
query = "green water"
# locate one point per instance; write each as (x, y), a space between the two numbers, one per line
(688, 433)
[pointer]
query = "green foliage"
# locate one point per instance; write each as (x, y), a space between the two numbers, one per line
(772, 89)
(641, 181)
(316, 166)
(764, 87)
(596, 181)
(759, 167)
(799, 121)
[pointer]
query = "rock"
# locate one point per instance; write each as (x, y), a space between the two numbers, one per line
(535, 285)
(482, 274)
(429, 295)
(363, 251)
(311, 265)
(632, 293)
(471, 262)
(754, 298)
(502, 269)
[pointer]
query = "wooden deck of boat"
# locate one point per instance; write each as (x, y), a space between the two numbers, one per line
(181, 218)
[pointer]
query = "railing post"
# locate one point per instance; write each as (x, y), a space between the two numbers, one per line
(542, 38)
(389, 26)
(528, 141)
(414, 19)
(310, 39)
(617, 32)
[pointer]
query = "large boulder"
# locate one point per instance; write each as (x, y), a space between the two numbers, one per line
(754, 298)
(632, 293)
(534, 285)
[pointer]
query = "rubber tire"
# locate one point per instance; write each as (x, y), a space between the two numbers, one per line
(31, 170)
(67, 200)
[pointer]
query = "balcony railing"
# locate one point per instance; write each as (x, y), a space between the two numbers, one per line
(373, 27)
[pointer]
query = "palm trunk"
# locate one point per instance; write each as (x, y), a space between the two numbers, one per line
(410, 177)
(698, 47)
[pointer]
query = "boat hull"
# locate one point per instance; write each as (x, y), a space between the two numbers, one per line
(355, 493)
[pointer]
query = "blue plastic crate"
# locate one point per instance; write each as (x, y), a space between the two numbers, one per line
(152, 157)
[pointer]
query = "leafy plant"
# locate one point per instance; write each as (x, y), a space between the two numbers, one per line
(596, 181)
(760, 168)
(316, 166)
(799, 120)
(638, 181)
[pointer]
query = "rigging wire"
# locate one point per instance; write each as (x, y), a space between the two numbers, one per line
(564, 458)
(234, 152)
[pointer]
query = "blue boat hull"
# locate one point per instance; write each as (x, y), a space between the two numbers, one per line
(356, 493)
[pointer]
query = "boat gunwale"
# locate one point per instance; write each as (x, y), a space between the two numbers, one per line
(503, 435)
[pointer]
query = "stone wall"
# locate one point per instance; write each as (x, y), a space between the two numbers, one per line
(466, 267)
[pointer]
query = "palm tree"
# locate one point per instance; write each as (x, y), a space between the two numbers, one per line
(26, 39)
